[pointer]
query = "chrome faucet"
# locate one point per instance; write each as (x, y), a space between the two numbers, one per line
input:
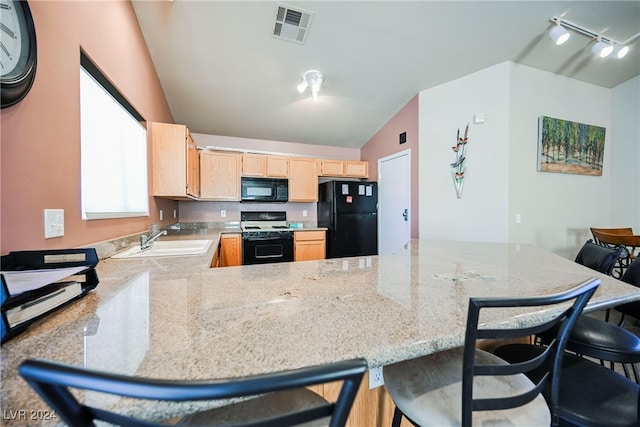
(146, 240)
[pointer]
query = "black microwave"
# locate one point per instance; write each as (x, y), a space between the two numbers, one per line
(264, 190)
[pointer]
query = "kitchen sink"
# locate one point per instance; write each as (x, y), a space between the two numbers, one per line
(167, 248)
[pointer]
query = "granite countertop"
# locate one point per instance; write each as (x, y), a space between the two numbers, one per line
(177, 318)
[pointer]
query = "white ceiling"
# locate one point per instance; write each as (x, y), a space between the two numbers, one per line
(223, 73)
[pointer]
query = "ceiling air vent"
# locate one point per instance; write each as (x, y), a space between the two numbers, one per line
(292, 24)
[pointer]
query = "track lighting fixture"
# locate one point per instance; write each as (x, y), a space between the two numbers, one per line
(312, 78)
(559, 34)
(603, 46)
(620, 51)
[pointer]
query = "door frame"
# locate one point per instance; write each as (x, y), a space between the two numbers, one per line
(402, 153)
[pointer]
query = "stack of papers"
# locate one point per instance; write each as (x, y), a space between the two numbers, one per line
(35, 292)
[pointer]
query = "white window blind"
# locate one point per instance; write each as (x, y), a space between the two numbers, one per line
(113, 155)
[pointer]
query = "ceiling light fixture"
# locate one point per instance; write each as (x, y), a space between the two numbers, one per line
(601, 48)
(558, 33)
(620, 51)
(312, 78)
(603, 45)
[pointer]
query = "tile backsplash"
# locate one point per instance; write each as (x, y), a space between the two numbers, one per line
(192, 211)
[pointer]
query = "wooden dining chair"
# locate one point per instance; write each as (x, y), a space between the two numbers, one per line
(278, 399)
(595, 231)
(464, 385)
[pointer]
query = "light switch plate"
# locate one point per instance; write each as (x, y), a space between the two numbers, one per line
(53, 223)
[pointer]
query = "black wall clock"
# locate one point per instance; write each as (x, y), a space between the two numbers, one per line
(17, 51)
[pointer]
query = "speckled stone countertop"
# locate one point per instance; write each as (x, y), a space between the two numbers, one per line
(177, 318)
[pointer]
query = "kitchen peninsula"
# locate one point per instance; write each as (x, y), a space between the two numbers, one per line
(177, 318)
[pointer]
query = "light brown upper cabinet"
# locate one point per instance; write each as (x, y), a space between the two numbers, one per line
(331, 167)
(220, 175)
(356, 169)
(303, 179)
(176, 165)
(261, 165)
(277, 167)
(344, 168)
(254, 164)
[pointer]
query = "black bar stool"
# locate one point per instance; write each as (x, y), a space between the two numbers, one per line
(458, 386)
(597, 338)
(279, 399)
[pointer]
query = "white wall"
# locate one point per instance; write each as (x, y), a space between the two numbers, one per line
(481, 214)
(625, 156)
(557, 209)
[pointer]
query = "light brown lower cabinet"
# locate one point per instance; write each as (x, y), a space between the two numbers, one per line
(229, 252)
(372, 407)
(309, 245)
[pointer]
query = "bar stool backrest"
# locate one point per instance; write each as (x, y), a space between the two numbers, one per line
(549, 363)
(52, 381)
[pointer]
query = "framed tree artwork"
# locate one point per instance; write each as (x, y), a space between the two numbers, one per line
(570, 147)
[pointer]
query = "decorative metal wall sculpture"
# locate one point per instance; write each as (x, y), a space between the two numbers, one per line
(458, 167)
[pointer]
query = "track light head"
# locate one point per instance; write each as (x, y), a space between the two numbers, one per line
(601, 48)
(559, 34)
(620, 51)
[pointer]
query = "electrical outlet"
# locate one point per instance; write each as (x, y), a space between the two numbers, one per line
(53, 223)
(174, 214)
(375, 377)
(161, 215)
(304, 212)
(223, 213)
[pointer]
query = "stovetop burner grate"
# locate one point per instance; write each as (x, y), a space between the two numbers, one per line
(263, 222)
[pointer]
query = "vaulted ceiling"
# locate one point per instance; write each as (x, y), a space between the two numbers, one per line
(224, 73)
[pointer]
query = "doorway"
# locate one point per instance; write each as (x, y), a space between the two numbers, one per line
(394, 202)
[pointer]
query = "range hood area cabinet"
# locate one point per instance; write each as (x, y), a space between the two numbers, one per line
(265, 166)
(176, 163)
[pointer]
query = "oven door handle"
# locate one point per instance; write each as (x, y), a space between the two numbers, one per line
(269, 256)
(264, 239)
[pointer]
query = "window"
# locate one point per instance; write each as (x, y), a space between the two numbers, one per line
(113, 146)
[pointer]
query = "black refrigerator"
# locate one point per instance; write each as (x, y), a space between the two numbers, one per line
(349, 210)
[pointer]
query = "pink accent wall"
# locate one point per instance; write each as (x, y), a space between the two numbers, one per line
(386, 142)
(40, 136)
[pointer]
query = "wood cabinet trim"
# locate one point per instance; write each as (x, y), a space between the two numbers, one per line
(300, 236)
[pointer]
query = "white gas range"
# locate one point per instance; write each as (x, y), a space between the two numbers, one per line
(266, 237)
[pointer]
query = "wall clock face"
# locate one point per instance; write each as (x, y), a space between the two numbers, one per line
(17, 51)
